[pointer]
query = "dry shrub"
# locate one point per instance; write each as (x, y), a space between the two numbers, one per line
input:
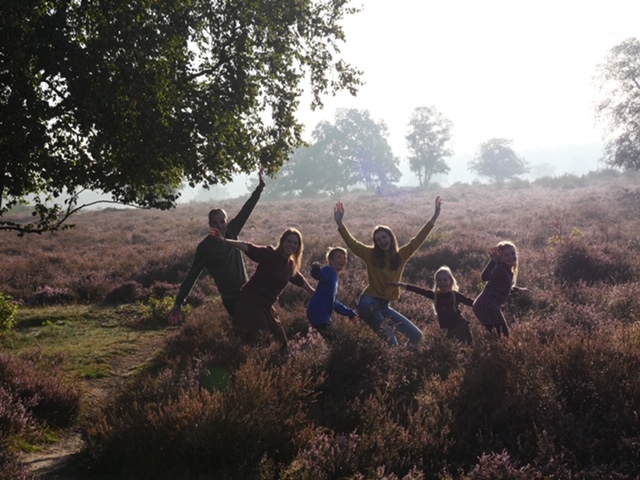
(592, 375)
(38, 384)
(353, 368)
(47, 295)
(624, 303)
(183, 430)
(170, 267)
(90, 288)
(127, 292)
(537, 407)
(32, 399)
(294, 319)
(206, 331)
(11, 468)
(15, 422)
(578, 262)
(325, 455)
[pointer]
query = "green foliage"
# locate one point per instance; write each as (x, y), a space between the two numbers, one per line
(620, 105)
(497, 160)
(429, 143)
(132, 98)
(156, 310)
(8, 310)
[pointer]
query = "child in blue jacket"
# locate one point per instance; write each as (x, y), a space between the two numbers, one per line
(325, 299)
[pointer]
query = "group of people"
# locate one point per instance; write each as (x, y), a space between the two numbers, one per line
(251, 301)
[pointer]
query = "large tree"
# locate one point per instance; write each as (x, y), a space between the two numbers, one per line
(362, 146)
(351, 150)
(132, 97)
(497, 160)
(620, 106)
(429, 143)
(309, 171)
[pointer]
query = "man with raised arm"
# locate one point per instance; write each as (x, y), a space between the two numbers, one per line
(224, 263)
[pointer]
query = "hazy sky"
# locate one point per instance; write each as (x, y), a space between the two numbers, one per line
(495, 68)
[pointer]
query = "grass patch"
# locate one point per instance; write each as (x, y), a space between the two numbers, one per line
(89, 338)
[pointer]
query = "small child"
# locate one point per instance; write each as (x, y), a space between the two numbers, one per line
(446, 298)
(324, 301)
(500, 274)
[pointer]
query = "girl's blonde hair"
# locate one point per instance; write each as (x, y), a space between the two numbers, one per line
(454, 286)
(297, 255)
(509, 244)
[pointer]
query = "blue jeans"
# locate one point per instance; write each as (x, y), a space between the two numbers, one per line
(375, 312)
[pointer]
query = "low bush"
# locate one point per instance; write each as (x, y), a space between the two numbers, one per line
(47, 295)
(33, 399)
(37, 382)
(155, 311)
(126, 292)
(578, 262)
(8, 310)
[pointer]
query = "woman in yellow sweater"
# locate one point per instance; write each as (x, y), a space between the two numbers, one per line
(385, 263)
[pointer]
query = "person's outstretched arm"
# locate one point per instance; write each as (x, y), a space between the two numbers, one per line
(243, 215)
(338, 213)
(299, 280)
(436, 212)
(407, 250)
(358, 248)
(175, 315)
(425, 292)
(215, 233)
(306, 287)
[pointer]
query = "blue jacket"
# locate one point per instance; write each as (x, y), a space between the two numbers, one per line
(324, 300)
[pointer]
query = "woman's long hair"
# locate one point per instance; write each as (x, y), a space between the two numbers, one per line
(501, 246)
(380, 256)
(297, 255)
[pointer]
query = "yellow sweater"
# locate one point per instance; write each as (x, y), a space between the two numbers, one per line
(379, 278)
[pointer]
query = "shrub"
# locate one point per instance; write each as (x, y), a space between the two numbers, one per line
(90, 287)
(169, 267)
(8, 310)
(183, 430)
(50, 296)
(497, 466)
(38, 384)
(127, 292)
(164, 289)
(578, 262)
(156, 311)
(10, 467)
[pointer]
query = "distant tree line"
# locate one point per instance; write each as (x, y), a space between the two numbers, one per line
(354, 151)
(343, 152)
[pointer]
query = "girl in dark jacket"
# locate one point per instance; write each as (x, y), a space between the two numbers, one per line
(500, 273)
(446, 299)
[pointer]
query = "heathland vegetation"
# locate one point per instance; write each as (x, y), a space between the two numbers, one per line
(559, 398)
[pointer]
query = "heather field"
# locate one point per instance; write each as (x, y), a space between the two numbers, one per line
(559, 398)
